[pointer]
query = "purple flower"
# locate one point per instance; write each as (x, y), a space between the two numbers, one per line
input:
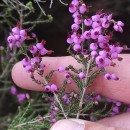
(114, 77)
(26, 61)
(72, 8)
(115, 109)
(11, 39)
(87, 34)
(21, 97)
(96, 18)
(81, 75)
(29, 68)
(47, 88)
(88, 22)
(82, 9)
(54, 88)
(44, 51)
(75, 27)
(66, 75)
(77, 47)
(61, 69)
(36, 60)
(77, 20)
(16, 30)
(13, 90)
(23, 32)
(94, 53)
(40, 46)
(75, 2)
(93, 46)
(95, 25)
(103, 53)
(33, 49)
(107, 76)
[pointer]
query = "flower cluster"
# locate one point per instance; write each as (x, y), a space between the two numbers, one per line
(94, 32)
(17, 37)
(51, 88)
(20, 96)
(34, 63)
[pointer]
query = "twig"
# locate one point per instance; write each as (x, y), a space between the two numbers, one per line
(63, 2)
(30, 122)
(40, 7)
(60, 105)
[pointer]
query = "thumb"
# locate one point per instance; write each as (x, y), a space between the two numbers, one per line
(77, 124)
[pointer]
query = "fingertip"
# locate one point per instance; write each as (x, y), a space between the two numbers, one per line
(22, 78)
(67, 124)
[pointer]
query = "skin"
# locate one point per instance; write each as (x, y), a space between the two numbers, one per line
(119, 90)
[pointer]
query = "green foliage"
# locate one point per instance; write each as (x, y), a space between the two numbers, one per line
(27, 119)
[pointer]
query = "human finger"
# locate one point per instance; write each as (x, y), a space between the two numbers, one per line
(119, 90)
(77, 124)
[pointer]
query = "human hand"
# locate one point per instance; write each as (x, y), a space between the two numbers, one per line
(119, 90)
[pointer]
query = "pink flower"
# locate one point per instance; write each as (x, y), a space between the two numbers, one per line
(88, 22)
(23, 32)
(114, 55)
(77, 47)
(70, 39)
(120, 23)
(47, 88)
(18, 44)
(44, 51)
(13, 90)
(61, 69)
(72, 8)
(75, 27)
(11, 39)
(87, 34)
(76, 14)
(40, 46)
(81, 75)
(95, 25)
(28, 68)
(96, 18)
(82, 9)
(118, 26)
(16, 31)
(75, 2)
(54, 88)
(77, 20)
(21, 97)
(78, 39)
(94, 53)
(107, 76)
(93, 46)
(36, 60)
(103, 53)
(26, 61)
(114, 77)
(66, 75)
(103, 39)
(33, 49)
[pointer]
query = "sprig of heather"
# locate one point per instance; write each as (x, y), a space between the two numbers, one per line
(17, 37)
(96, 33)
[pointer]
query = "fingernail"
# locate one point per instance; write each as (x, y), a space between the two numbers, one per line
(69, 124)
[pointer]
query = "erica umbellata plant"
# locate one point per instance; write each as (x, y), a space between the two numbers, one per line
(91, 44)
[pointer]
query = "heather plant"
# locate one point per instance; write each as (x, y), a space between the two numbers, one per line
(92, 45)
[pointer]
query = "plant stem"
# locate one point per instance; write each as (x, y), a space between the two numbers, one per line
(84, 89)
(30, 122)
(60, 105)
